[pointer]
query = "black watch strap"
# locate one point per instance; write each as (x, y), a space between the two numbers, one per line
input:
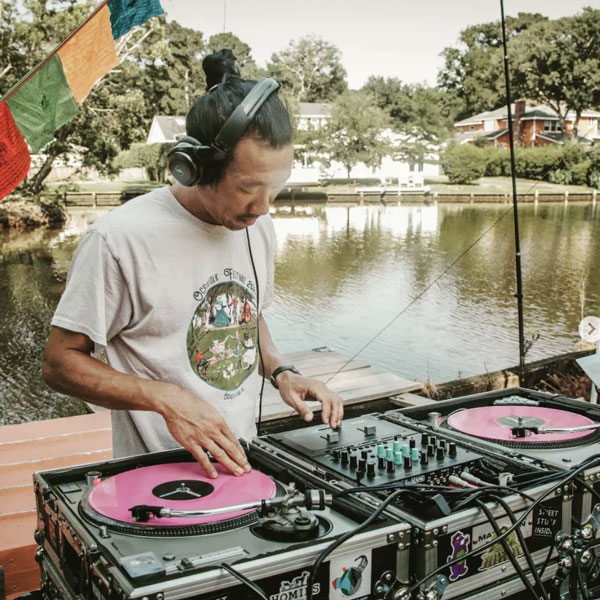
(279, 370)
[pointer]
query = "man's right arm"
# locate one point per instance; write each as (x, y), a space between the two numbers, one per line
(68, 367)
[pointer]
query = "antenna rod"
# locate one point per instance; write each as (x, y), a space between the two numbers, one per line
(519, 294)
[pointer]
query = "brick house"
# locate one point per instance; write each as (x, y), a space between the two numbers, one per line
(535, 125)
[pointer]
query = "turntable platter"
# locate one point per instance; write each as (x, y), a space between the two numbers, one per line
(180, 486)
(496, 423)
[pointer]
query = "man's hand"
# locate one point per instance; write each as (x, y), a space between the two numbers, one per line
(295, 390)
(198, 426)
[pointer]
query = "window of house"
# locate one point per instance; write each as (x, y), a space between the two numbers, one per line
(552, 126)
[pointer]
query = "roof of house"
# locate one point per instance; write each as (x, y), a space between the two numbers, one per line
(538, 111)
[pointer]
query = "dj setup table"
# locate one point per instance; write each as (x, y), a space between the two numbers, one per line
(493, 495)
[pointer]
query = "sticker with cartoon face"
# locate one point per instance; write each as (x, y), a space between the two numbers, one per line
(222, 336)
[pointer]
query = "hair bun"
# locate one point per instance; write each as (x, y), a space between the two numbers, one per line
(218, 65)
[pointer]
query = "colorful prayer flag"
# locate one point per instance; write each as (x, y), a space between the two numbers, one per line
(126, 14)
(14, 156)
(43, 104)
(89, 54)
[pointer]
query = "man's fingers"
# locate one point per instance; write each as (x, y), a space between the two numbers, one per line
(201, 456)
(301, 407)
(233, 447)
(221, 455)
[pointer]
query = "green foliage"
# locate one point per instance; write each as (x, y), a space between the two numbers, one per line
(558, 63)
(593, 174)
(423, 112)
(463, 163)
(474, 70)
(353, 134)
(310, 69)
(152, 157)
(568, 164)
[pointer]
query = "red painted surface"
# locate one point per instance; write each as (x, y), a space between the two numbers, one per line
(25, 449)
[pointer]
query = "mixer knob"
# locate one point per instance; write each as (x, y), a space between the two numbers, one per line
(362, 465)
(412, 443)
(424, 439)
(380, 451)
(433, 440)
(370, 469)
(407, 462)
(452, 449)
(442, 444)
(430, 451)
(335, 455)
(396, 446)
(381, 462)
(344, 457)
(364, 454)
(424, 457)
(398, 458)
(405, 450)
(391, 467)
(414, 456)
(353, 461)
(441, 453)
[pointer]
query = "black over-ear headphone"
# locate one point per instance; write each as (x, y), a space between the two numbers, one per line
(189, 156)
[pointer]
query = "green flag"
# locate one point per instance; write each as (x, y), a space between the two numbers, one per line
(43, 104)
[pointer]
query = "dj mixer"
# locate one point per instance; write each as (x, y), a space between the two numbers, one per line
(379, 455)
(487, 496)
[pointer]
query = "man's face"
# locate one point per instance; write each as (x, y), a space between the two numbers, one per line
(254, 177)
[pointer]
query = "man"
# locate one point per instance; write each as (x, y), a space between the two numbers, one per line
(146, 277)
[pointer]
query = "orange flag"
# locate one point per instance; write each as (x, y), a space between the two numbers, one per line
(89, 54)
(14, 155)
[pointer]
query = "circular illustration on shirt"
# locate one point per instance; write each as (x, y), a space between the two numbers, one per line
(222, 336)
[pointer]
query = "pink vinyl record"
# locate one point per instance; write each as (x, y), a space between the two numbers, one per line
(496, 422)
(179, 486)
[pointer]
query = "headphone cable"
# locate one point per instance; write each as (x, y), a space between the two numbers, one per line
(262, 364)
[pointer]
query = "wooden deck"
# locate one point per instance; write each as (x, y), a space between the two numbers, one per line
(30, 447)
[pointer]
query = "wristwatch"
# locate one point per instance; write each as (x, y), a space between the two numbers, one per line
(279, 370)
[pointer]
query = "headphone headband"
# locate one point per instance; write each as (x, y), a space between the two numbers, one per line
(188, 158)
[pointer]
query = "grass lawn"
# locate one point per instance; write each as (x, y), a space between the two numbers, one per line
(111, 186)
(440, 184)
(485, 185)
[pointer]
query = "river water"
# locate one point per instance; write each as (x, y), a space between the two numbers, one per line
(345, 273)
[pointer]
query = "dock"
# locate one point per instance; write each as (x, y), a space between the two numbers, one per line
(41, 445)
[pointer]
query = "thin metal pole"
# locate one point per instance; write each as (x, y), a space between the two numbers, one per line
(519, 294)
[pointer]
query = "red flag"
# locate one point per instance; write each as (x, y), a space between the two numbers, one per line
(14, 155)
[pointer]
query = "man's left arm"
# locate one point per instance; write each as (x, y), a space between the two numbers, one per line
(296, 389)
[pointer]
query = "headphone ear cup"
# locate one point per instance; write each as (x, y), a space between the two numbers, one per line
(182, 161)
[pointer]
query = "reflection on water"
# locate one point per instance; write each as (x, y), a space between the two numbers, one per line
(342, 274)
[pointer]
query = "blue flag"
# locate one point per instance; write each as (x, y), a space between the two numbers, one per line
(126, 14)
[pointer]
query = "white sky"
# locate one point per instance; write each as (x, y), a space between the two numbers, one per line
(393, 38)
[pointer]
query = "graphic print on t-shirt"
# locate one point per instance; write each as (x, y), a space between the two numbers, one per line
(221, 338)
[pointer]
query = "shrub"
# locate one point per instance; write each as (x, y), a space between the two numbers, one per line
(463, 163)
(593, 174)
(152, 157)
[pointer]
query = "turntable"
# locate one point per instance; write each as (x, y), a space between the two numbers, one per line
(156, 527)
(527, 425)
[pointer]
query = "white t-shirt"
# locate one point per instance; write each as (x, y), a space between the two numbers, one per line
(173, 299)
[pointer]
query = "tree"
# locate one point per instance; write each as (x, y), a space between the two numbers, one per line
(558, 64)
(424, 112)
(474, 71)
(309, 69)
(160, 71)
(248, 67)
(354, 133)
